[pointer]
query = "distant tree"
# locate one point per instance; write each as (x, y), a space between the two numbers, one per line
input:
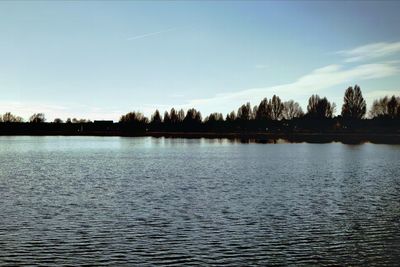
(254, 112)
(320, 107)
(192, 115)
(75, 120)
(167, 118)
(263, 112)
(181, 115)
(276, 108)
(230, 117)
(58, 120)
(8, 117)
(393, 107)
(386, 107)
(37, 118)
(68, 120)
(133, 116)
(214, 117)
(156, 117)
(174, 116)
(354, 105)
(291, 110)
(244, 112)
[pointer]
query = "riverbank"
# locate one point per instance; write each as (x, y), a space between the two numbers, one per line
(258, 137)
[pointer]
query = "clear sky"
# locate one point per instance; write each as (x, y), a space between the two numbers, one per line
(99, 60)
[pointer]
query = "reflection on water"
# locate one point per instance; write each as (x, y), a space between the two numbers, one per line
(112, 201)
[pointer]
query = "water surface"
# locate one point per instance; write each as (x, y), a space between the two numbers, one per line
(147, 201)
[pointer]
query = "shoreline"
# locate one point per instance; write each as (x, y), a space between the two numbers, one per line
(258, 137)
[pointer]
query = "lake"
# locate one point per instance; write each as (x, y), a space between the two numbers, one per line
(148, 201)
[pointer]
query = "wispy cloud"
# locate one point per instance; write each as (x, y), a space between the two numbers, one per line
(313, 82)
(261, 66)
(370, 51)
(136, 37)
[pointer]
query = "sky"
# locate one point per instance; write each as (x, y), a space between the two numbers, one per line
(99, 60)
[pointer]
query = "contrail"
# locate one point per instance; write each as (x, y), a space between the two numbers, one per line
(150, 34)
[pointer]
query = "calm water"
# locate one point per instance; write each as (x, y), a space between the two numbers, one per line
(138, 201)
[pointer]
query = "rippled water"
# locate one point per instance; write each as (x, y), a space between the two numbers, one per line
(146, 201)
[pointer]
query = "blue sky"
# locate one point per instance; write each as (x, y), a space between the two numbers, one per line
(99, 60)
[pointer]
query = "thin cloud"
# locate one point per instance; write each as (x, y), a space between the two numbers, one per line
(141, 36)
(370, 51)
(317, 80)
(261, 66)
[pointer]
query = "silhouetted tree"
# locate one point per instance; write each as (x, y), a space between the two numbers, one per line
(58, 120)
(167, 118)
(192, 115)
(292, 110)
(68, 120)
(230, 117)
(173, 116)
(393, 107)
(320, 108)
(214, 117)
(244, 112)
(181, 115)
(133, 117)
(8, 117)
(75, 120)
(276, 108)
(156, 117)
(263, 112)
(354, 105)
(37, 118)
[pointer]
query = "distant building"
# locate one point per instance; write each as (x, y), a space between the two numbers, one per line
(103, 122)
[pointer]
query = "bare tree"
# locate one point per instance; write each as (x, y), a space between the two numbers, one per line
(263, 111)
(320, 107)
(231, 116)
(8, 117)
(292, 110)
(244, 112)
(37, 118)
(276, 108)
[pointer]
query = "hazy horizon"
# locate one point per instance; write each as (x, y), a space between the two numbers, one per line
(100, 60)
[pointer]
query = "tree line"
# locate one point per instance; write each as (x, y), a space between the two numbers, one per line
(268, 114)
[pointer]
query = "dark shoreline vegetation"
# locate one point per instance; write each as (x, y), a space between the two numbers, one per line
(270, 121)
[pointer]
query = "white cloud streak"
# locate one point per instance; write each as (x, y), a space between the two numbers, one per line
(370, 51)
(141, 36)
(319, 79)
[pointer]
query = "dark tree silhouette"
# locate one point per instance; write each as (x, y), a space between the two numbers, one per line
(8, 117)
(276, 108)
(167, 118)
(156, 118)
(133, 117)
(214, 117)
(320, 108)
(37, 118)
(292, 110)
(244, 112)
(181, 115)
(354, 105)
(58, 120)
(393, 107)
(379, 107)
(263, 112)
(193, 115)
(231, 117)
(174, 116)
(385, 107)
